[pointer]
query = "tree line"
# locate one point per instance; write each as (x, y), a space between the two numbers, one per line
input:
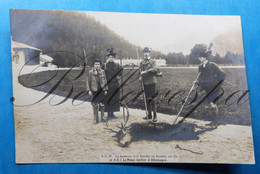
(197, 51)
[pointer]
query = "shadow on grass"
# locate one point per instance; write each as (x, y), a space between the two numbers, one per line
(160, 132)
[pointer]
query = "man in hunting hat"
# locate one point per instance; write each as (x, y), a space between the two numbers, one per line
(148, 76)
(97, 87)
(113, 73)
(210, 75)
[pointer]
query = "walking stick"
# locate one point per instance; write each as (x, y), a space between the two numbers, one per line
(186, 99)
(85, 56)
(122, 89)
(142, 84)
(231, 84)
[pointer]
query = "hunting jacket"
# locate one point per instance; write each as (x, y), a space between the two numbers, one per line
(150, 77)
(211, 74)
(93, 77)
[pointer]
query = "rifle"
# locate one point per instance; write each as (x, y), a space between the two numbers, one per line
(142, 84)
(186, 99)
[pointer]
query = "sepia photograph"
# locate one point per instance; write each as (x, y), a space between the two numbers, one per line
(106, 87)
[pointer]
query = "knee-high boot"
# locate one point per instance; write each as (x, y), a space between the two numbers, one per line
(95, 113)
(102, 110)
(154, 109)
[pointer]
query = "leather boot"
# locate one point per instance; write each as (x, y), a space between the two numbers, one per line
(95, 113)
(108, 116)
(214, 108)
(112, 116)
(154, 117)
(149, 115)
(102, 110)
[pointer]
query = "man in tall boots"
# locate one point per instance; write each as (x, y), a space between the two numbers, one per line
(97, 87)
(148, 76)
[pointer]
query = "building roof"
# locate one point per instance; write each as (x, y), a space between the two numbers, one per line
(22, 45)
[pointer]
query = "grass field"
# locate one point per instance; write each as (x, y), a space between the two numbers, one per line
(173, 81)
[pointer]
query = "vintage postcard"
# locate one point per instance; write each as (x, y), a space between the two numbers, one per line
(101, 87)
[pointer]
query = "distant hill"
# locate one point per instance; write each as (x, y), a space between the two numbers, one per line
(229, 41)
(68, 31)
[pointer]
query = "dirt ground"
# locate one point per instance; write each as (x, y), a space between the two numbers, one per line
(66, 134)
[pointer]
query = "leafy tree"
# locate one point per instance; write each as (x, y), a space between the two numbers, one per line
(196, 52)
(234, 58)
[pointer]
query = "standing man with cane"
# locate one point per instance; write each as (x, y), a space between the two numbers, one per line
(148, 76)
(210, 75)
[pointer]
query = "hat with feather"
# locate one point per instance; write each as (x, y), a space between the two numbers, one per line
(208, 52)
(110, 52)
(147, 50)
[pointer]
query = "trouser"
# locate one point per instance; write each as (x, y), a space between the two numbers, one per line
(96, 107)
(150, 95)
(211, 99)
(214, 94)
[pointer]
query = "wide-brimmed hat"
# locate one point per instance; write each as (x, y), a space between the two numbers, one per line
(110, 52)
(147, 50)
(206, 54)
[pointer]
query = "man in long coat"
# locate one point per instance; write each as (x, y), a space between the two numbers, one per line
(113, 73)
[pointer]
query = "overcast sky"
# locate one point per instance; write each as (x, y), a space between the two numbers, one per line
(164, 32)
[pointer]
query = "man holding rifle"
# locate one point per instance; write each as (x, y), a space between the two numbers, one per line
(148, 72)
